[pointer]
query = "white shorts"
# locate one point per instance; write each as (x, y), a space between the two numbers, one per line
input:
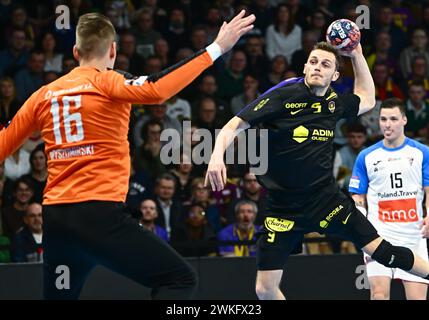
(373, 268)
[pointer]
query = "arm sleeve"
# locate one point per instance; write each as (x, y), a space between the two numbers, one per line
(21, 126)
(155, 88)
(359, 180)
(425, 166)
(350, 104)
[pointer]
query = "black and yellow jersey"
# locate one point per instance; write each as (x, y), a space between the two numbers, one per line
(300, 136)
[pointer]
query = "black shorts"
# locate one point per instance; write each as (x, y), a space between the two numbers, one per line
(333, 214)
(80, 236)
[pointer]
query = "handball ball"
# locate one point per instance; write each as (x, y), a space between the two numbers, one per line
(343, 34)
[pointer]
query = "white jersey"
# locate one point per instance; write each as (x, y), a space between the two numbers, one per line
(393, 180)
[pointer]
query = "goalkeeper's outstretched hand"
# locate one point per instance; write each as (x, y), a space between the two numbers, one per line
(230, 32)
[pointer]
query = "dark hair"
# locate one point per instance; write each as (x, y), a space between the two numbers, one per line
(145, 129)
(325, 46)
(24, 180)
(165, 176)
(39, 147)
(356, 127)
(291, 21)
(393, 103)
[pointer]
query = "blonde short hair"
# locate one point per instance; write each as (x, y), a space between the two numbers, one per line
(94, 35)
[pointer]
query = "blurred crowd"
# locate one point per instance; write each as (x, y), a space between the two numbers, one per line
(171, 200)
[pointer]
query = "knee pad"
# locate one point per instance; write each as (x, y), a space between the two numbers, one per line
(394, 256)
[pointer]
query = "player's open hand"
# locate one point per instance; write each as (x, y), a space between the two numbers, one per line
(216, 175)
(230, 32)
(425, 227)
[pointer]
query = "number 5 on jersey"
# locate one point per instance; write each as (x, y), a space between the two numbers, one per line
(68, 119)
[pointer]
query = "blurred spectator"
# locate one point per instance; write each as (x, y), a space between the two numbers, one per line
(118, 12)
(279, 65)
(201, 194)
(159, 14)
(384, 84)
(419, 67)
(385, 23)
(417, 111)
(149, 213)
(199, 38)
(9, 104)
(53, 60)
(383, 46)
(158, 113)
(298, 10)
(122, 63)
(145, 34)
(178, 108)
(223, 198)
(147, 155)
(244, 229)
(226, 9)
(17, 164)
(127, 47)
(152, 65)
(213, 23)
(207, 87)
(195, 228)
(39, 172)
(284, 36)
(370, 121)
(419, 42)
(14, 57)
(257, 62)
(27, 243)
(251, 92)
(19, 20)
(182, 173)
(183, 53)
(162, 51)
(69, 63)
(317, 23)
(299, 57)
(29, 79)
(230, 82)
(49, 77)
(346, 156)
(206, 118)
(140, 188)
(251, 191)
(12, 215)
(169, 209)
(402, 16)
(176, 32)
(264, 14)
(327, 8)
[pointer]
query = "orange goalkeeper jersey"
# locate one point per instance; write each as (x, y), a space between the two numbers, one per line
(84, 118)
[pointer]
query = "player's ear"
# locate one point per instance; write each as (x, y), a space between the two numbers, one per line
(405, 119)
(305, 68)
(76, 53)
(112, 52)
(336, 76)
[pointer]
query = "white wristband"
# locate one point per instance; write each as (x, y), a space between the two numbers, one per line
(214, 51)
